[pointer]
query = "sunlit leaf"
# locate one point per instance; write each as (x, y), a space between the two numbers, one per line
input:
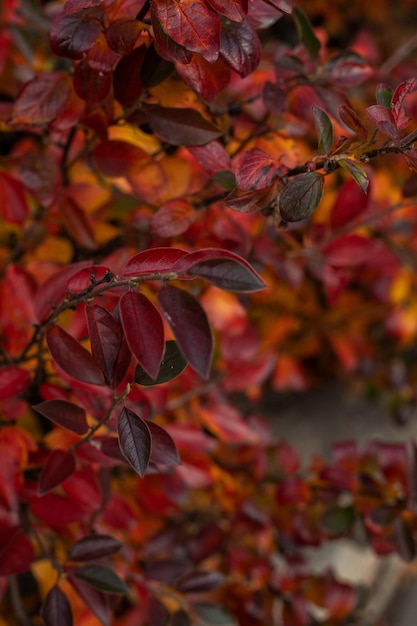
(235, 10)
(169, 49)
(56, 608)
(301, 196)
(135, 440)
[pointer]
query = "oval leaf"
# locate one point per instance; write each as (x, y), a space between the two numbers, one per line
(357, 172)
(17, 555)
(153, 261)
(72, 34)
(13, 380)
(164, 450)
(14, 206)
(144, 330)
(59, 465)
(56, 608)
(181, 127)
(240, 47)
(134, 440)
(172, 219)
(94, 547)
(172, 365)
(42, 99)
(65, 414)
(306, 33)
(72, 357)
(114, 157)
(324, 129)
(190, 326)
(97, 601)
(229, 275)
(301, 196)
(255, 169)
(102, 578)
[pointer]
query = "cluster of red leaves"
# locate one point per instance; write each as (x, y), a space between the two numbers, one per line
(139, 162)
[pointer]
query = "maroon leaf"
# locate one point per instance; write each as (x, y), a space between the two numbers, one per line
(347, 69)
(208, 79)
(17, 554)
(286, 6)
(94, 547)
(86, 278)
(240, 47)
(164, 450)
(190, 326)
(98, 602)
(350, 203)
(351, 119)
(91, 85)
(65, 414)
(144, 330)
(56, 608)
(235, 10)
(251, 201)
(179, 20)
(199, 581)
(153, 261)
(77, 224)
(172, 219)
(108, 345)
(397, 103)
(255, 169)
(118, 158)
(134, 440)
(72, 357)
(126, 82)
(122, 35)
(167, 47)
(42, 99)
(14, 206)
(102, 578)
(72, 34)
(59, 465)
(383, 119)
(212, 157)
(349, 250)
(301, 196)
(57, 510)
(54, 290)
(182, 126)
(13, 380)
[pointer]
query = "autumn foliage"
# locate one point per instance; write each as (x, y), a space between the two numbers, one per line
(199, 201)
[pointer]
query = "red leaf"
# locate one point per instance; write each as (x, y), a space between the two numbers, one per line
(199, 581)
(98, 602)
(126, 83)
(56, 608)
(87, 278)
(14, 206)
(65, 414)
(153, 261)
(352, 120)
(42, 99)
(255, 170)
(91, 85)
(190, 23)
(251, 201)
(235, 10)
(57, 510)
(17, 555)
(240, 47)
(82, 489)
(164, 450)
(402, 120)
(348, 251)
(262, 13)
(13, 380)
(383, 119)
(174, 218)
(118, 158)
(122, 34)
(54, 290)
(350, 203)
(144, 330)
(108, 345)
(347, 69)
(135, 440)
(190, 326)
(72, 34)
(208, 79)
(59, 465)
(212, 157)
(100, 57)
(167, 47)
(182, 126)
(292, 490)
(340, 599)
(72, 357)
(77, 224)
(283, 5)
(94, 547)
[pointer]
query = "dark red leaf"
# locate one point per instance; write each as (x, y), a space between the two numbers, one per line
(251, 201)
(182, 126)
(350, 203)
(172, 219)
(144, 330)
(153, 261)
(14, 206)
(42, 99)
(65, 414)
(100, 57)
(77, 224)
(167, 47)
(91, 85)
(102, 578)
(240, 47)
(301, 196)
(275, 98)
(292, 490)
(127, 85)
(86, 278)
(348, 250)
(164, 450)
(255, 169)
(383, 120)
(135, 440)
(199, 581)
(208, 79)
(397, 103)
(340, 599)
(82, 488)
(190, 326)
(59, 465)
(262, 13)
(352, 120)
(347, 69)
(122, 35)
(191, 24)
(286, 6)
(56, 608)
(108, 345)
(54, 290)
(72, 357)
(94, 547)
(118, 158)
(57, 510)
(99, 603)
(72, 34)
(17, 554)
(13, 380)
(235, 10)
(212, 157)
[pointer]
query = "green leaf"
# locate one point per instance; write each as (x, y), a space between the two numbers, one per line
(225, 179)
(337, 520)
(306, 33)
(172, 365)
(384, 95)
(301, 196)
(214, 614)
(324, 129)
(357, 172)
(102, 577)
